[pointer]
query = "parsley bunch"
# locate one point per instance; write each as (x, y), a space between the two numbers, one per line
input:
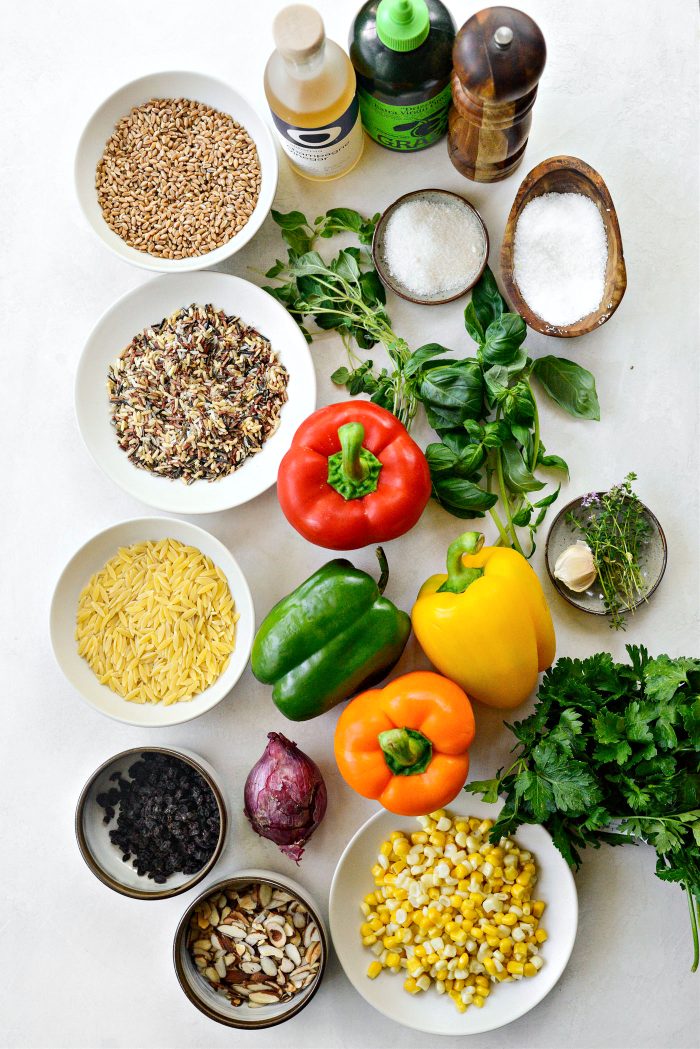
(610, 755)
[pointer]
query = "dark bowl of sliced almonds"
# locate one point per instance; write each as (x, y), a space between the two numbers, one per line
(250, 952)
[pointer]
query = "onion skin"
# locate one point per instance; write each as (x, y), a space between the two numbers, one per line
(285, 796)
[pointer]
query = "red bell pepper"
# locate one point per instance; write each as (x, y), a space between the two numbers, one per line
(352, 477)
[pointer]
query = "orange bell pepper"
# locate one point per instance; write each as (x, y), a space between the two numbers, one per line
(407, 745)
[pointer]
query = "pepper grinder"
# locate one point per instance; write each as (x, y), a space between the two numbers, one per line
(498, 59)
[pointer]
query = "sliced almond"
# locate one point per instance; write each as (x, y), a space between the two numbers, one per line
(264, 998)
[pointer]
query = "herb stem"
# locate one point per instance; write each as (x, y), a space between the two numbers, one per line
(510, 527)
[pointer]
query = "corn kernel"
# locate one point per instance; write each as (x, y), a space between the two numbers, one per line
(366, 929)
(377, 871)
(506, 945)
(479, 1001)
(515, 968)
(368, 941)
(410, 985)
(540, 935)
(538, 908)
(524, 879)
(420, 951)
(402, 847)
(374, 969)
(393, 959)
(529, 969)
(509, 919)
(419, 837)
(517, 891)
(371, 899)
(462, 826)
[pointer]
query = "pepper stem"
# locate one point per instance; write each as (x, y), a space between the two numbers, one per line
(406, 751)
(351, 436)
(458, 576)
(383, 569)
(353, 471)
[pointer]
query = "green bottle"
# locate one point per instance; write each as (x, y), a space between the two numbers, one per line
(402, 54)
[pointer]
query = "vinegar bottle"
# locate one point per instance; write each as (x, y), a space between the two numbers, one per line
(311, 91)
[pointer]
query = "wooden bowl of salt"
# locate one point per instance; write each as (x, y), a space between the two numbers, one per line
(563, 175)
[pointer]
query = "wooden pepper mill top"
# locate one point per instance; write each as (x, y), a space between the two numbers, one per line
(498, 58)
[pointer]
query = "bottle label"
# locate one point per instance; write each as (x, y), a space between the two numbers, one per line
(405, 128)
(323, 152)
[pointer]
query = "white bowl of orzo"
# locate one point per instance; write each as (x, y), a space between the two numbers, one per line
(176, 171)
(190, 389)
(152, 621)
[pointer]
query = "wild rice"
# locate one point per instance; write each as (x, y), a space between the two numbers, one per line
(177, 178)
(194, 396)
(157, 624)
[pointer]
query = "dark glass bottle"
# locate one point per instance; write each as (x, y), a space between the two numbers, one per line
(402, 54)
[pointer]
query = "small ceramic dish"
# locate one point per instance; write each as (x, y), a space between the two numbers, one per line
(90, 558)
(378, 246)
(216, 1005)
(430, 1012)
(567, 175)
(105, 859)
(200, 88)
(653, 559)
(148, 305)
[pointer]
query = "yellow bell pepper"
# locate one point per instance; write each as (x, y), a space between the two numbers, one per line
(486, 624)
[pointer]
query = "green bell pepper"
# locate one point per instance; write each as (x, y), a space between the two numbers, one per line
(332, 637)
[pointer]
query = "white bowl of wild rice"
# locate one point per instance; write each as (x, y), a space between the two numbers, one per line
(176, 171)
(154, 433)
(124, 621)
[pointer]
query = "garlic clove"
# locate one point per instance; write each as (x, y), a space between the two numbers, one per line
(575, 567)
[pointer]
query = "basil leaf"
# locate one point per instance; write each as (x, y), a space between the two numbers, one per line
(503, 338)
(458, 386)
(495, 434)
(473, 324)
(522, 517)
(340, 376)
(421, 355)
(517, 475)
(443, 419)
(518, 405)
(569, 385)
(486, 299)
(553, 462)
(548, 499)
(290, 220)
(496, 380)
(461, 497)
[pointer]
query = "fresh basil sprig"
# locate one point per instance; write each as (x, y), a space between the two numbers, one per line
(483, 408)
(485, 412)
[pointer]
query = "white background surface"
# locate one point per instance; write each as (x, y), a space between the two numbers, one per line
(84, 967)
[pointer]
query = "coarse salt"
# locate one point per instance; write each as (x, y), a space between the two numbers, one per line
(561, 252)
(434, 247)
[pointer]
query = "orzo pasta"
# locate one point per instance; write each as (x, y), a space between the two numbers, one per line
(157, 624)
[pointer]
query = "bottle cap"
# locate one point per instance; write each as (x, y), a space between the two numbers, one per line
(403, 25)
(298, 32)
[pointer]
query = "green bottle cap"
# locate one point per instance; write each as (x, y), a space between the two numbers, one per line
(403, 25)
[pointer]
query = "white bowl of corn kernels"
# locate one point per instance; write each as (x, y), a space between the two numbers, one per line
(445, 932)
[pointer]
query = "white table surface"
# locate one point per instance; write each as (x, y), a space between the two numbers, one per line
(81, 966)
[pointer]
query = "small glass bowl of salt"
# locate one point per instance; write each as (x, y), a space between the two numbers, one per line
(430, 246)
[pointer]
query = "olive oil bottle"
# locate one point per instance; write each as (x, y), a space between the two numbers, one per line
(402, 54)
(312, 94)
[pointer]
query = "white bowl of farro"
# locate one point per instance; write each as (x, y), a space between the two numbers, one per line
(152, 621)
(176, 171)
(190, 389)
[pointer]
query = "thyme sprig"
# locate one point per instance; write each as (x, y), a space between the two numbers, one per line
(616, 527)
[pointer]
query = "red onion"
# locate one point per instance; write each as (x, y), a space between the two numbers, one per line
(285, 796)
